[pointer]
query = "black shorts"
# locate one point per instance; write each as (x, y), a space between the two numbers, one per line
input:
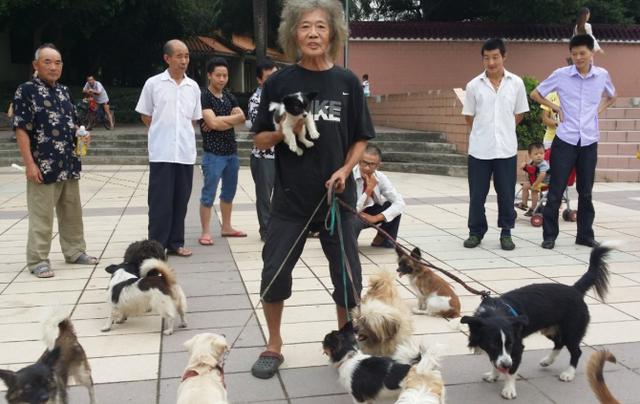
(282, 234)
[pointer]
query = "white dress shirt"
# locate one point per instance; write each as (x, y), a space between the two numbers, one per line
(172, 109)
(493, 134)
(383, 192)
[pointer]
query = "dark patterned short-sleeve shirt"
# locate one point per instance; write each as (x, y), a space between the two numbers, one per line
(222, 143)
(47, 114)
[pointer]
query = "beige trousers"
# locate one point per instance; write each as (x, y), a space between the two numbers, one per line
(64, 196)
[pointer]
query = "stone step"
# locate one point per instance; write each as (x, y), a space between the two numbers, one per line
(621, 113)
(425, 168)
(632, 136)
(408, 146)
(618, 162)
(619, 124)
(618, 148)
(617, 175)
(115, 160)
(627, 102)
(428, 158)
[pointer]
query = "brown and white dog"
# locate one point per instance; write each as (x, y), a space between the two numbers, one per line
(435, 296)
(203, 378)
(383, 321)
(596, 378)
(46, 380)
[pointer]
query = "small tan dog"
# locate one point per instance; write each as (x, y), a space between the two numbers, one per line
(596, 378)
(423, 384)
(203, 378)
(435, 296)
(383, 321)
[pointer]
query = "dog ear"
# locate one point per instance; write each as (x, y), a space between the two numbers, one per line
(415, 253)
(219, 347)
(519, 323)
(189, 343)
(311, 95)
(8, 377)
(111, 268)
(390, 328)
(50, 358)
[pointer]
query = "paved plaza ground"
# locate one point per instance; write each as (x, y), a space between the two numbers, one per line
(136, 363)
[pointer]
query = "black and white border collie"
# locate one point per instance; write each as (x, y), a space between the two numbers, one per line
(287, 113)
(367, 378)
(156, 289)
(558, 311)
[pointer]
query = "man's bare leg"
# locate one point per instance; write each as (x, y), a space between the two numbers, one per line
(273, 315)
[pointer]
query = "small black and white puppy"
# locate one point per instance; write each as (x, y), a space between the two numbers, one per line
(367, 378)
(557, 311)
(287, 113)
(156, 289)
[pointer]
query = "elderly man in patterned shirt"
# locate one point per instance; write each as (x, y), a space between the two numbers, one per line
(44, 122)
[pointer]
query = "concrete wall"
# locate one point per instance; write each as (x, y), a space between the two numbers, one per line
(403, 66)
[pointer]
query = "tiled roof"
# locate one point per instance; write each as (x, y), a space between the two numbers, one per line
(204, 45)
(380, 30)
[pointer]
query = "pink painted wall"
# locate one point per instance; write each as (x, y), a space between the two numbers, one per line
(401, 66)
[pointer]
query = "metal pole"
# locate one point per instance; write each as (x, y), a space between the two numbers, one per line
(346, 45)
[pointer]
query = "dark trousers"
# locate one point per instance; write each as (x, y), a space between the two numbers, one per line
(281, 236)
(504, 182)
(169, 192)
(390, 227)
(263, 172)
(564, 157)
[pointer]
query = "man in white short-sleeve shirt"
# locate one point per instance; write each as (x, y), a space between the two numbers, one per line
(494, 104)
(169, 104)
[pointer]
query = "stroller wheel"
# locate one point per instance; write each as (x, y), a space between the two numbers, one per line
(569, 215)
(573, 216)
(536, 220)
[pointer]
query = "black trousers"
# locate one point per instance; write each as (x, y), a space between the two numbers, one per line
(504, 183)
(169, 193)
(263, 172)
(390, 227)
(281, 236)
(564, 157)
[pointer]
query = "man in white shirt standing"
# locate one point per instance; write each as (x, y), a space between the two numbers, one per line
(378, 200)
(494, 104)
(169, 104)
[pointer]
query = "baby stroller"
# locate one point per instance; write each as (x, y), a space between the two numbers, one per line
(568, 214)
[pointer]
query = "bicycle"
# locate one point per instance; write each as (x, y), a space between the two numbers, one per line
(91, 113)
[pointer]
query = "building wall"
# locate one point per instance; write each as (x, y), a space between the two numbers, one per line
(403, 66)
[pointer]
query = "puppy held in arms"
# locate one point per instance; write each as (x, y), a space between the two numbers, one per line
(203, 378)
(435, 296)
(557, 311)
(46, 380)
(293, 108)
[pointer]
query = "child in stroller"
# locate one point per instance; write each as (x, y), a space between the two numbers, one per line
(539, 173)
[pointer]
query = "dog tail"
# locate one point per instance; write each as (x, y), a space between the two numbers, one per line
(598, 274)
(429, 360)
(153, 264)
(56, 324)
(596, 377)
(382, 284)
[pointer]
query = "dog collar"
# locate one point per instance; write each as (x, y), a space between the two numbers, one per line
(511, 309)
(346, 358)
(191, 373)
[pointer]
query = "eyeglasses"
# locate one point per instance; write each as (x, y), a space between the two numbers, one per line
(366, 163)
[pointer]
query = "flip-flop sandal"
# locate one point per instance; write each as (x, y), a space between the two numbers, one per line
(42, 270)
(267, 365)
(85, 259)
(236, 233)
(205, 240)
(180, 252)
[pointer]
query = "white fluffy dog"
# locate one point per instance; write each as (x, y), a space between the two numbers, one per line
(423, 384)
(203, 378)
(383, 321)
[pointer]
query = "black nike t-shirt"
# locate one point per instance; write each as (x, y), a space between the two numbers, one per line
(342, 118)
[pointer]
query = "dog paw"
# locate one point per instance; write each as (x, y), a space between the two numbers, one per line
(490, 376)
(105, 329)
(416, 310)
(168, 332)
(299, 151)
(509, 392)
(568, 375)
(184, 324)
(546, 361)
(314, 134)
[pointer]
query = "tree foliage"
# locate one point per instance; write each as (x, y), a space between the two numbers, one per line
(516, 11)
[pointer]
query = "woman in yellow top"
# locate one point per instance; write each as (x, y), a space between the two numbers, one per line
(550, 119)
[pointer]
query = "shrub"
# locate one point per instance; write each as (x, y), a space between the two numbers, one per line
(531, 128)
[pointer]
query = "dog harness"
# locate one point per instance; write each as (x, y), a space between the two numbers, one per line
(192, 373)
(511, 309)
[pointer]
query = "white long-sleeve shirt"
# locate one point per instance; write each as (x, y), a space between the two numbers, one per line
(383, 192)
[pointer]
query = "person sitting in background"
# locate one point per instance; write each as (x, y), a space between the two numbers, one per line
(537, 169)
(96, 90)
(378, 200)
